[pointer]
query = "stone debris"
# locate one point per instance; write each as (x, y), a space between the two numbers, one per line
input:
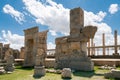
(113, 74)
(2, 71)
(107, 67)
(66, 73)
(54, 71)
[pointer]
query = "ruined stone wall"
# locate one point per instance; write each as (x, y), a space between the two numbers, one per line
(42, 46)
(22, 53)
(30, 46)
(6, 50)
(35, 44)
(16, 54)
(71, 51)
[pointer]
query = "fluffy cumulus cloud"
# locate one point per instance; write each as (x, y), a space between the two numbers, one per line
(97, 20)
(56, 17)
(91, 17)
(16, 41)
(113, 8)
(19, 17)
(49, 13)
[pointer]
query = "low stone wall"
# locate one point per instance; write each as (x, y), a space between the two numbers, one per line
(49, 62)
(109, 62)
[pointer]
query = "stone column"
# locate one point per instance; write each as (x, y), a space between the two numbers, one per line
(89, 47)
(1, 52)
(39, 69)
(108, 51)
(115, 40)
(103, 44)
(92, 47)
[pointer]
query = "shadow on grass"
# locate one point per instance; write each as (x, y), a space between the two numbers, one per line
(24, 68)
(86, 74)
(66, 78)
(37, 77)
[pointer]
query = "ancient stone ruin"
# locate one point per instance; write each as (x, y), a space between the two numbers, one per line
(71, 51)
(5, 50)
(22, 52)
(35, 44)
(9, 67)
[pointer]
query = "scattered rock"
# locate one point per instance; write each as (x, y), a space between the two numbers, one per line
(66, 73)
(113, 74)
(54, 71)
(107, 67)
(2, 71)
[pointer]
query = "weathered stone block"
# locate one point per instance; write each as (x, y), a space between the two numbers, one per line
(113, 74)
(66, 73)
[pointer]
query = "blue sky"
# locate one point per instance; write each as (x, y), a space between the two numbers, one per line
(53, 15)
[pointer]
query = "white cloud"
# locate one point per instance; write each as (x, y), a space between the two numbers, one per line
(97, 20)
(56, 17)
(113, 8)
(50, 45)
(16, 41)
(49, 13)
(90, 17)
(53, 33)
(19, 17)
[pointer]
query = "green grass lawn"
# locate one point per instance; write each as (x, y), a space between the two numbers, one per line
(27, 74)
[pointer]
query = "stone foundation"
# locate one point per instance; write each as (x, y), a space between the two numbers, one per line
(76, 63)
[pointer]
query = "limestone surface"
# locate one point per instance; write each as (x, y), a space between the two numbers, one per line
(113, 74)
(66, 73)
(71, 51)
(35, 44)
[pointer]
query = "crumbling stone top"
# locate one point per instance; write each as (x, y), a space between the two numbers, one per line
(75, 9)
(31, 30)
